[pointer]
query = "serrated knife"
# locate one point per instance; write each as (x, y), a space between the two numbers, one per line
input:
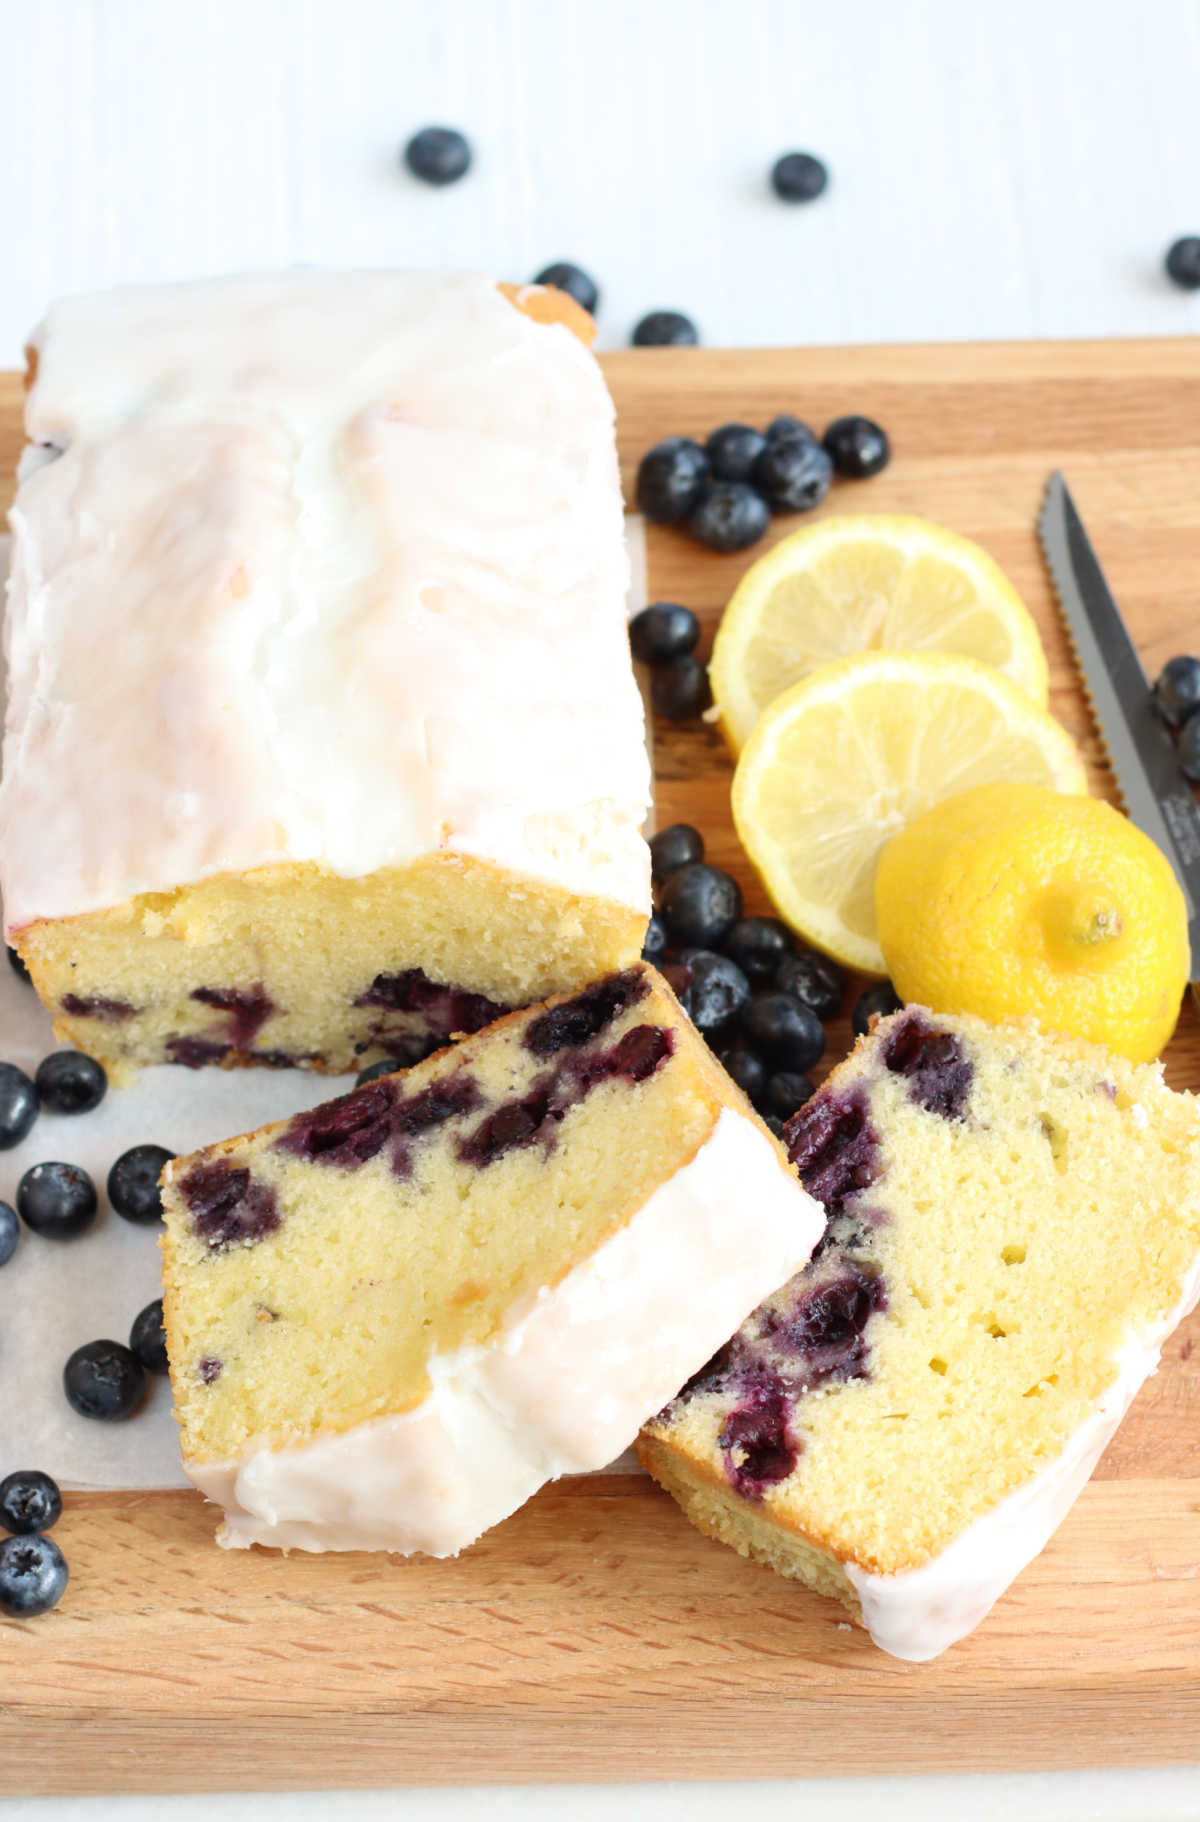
(1157, 797)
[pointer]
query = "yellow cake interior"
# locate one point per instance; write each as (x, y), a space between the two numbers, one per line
(310, 944)
(1014, 1250)
(330, 1317)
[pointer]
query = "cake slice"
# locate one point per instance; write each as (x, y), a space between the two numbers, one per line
(1014, 1229)
(391, 1319)
(323, 741)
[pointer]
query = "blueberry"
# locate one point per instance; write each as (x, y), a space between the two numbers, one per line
(663, 630)
(939, 1072)
(814, 980)
(104, 1380)
(247, 1008)
(758, 945)
(785, 1091)
(677, 977)
(56, 1200)
(675, 846)
(746, 1068)
(1183, 262)
(716, 993)
(786, 1034)
(407, 1052)
(444, 1009)
(29, 1501)
(148, 1338)
(733, 450)
(467, 1007)
(18, 1105)
(775, 1125)
(230, 1208)
(787, 426)
(657, 941)
(666, 329)
(1177, 692)
(857, 447)
(574, 281)
(878, 1000)
(1189, 749)
(133, 1183)
(729, 515)
(835, 1148)
(700, 905)
(670, 480)
(679, 689)
(576, 1022)
(793, 473)
(17, 965)
(826, 1324)
(33, 1576)
(69, 1082)
(798, 177)
(9, 1232)
(438, 155)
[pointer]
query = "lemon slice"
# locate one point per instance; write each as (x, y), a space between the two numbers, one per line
(867, 583)
(845, 758)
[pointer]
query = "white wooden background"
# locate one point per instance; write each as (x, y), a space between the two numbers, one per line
(999, 168)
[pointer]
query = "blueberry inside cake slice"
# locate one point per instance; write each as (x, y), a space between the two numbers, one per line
(391, 1319)
(1014, 1229)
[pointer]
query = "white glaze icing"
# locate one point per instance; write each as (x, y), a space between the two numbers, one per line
(330, 569)
(566, 1386)
(920, 1613)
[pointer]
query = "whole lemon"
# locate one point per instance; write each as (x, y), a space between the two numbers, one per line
(1012, 900)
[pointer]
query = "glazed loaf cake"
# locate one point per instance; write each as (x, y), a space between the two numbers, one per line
(323, 741)
(391, 1319)
(1014, 1230)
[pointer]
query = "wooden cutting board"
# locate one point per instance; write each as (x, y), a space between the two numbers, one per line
(595, 1635)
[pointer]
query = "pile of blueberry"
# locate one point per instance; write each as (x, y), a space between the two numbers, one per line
(725, 490)
(58, 1201)
(760, 1001)
(664, 636)
(33, 1570)
(1177, 700)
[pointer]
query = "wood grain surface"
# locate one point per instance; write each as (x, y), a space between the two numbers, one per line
(595, 1635)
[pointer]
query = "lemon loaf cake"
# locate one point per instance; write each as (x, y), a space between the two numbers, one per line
(391, 1319)
(323, 738)
(1014, 1228)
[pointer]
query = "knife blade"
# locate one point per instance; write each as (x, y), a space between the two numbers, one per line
(1157, 797)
